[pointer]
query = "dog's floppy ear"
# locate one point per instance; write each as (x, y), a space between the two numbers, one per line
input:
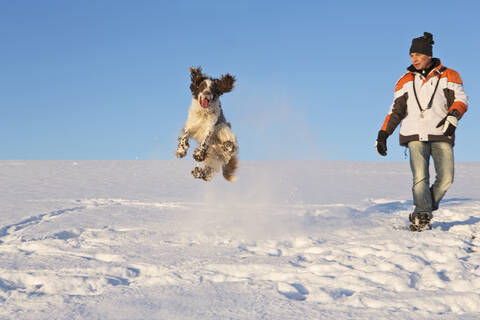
(197, 77)
(225, 83)
(196, 73)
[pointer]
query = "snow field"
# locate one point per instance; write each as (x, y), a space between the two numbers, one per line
(213, 255)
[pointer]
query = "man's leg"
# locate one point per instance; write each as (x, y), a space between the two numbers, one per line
(442, 154)
(419, 163)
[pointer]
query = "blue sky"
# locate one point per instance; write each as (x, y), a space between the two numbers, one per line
(109, 79)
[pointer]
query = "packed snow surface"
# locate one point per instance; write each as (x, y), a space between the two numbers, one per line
(288, 240)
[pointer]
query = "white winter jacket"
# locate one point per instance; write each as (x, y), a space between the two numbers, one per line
(420, 109)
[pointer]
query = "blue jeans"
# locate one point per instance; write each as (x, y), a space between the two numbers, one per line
(425, 198)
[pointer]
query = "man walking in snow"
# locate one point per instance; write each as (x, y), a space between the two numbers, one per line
(428, 102)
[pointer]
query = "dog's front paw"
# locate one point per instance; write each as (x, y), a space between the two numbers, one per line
(182, 148)
(180, 153)
(199, 154)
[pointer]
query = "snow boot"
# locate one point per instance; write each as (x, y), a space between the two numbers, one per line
(420, 221)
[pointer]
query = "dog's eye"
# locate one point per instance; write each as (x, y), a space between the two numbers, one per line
(202, 86)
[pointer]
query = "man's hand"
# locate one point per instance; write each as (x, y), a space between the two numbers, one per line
(449, 123)
(381, 143)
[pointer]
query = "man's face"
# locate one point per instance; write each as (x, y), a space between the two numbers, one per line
(419, 60)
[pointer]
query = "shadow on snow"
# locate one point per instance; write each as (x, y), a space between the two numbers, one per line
(445, 226)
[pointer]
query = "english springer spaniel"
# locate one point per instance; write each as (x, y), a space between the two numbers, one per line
(207, 125)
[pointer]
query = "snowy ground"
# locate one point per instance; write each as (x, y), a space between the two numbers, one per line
(288, 240)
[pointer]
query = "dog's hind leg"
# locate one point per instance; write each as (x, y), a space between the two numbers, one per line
(212, 164)
(229, 169)
(229, 149)
(227, 143)
(203, 173)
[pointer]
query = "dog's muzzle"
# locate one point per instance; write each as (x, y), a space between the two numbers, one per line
(204, 102)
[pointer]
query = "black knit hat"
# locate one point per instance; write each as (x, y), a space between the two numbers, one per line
(423, 44)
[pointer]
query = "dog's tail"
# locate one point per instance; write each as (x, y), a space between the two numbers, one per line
(229, 169)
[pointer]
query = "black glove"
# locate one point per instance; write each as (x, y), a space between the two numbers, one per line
(449, 123)
(381, 143)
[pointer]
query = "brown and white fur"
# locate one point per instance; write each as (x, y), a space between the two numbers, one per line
(207, 125)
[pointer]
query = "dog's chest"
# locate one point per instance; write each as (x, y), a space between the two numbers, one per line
(201, 123)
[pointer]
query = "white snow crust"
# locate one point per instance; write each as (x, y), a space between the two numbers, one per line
(288, 240)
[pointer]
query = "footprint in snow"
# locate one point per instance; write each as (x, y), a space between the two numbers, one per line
(294, 291)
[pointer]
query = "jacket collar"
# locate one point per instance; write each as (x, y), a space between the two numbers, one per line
(436, 67)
